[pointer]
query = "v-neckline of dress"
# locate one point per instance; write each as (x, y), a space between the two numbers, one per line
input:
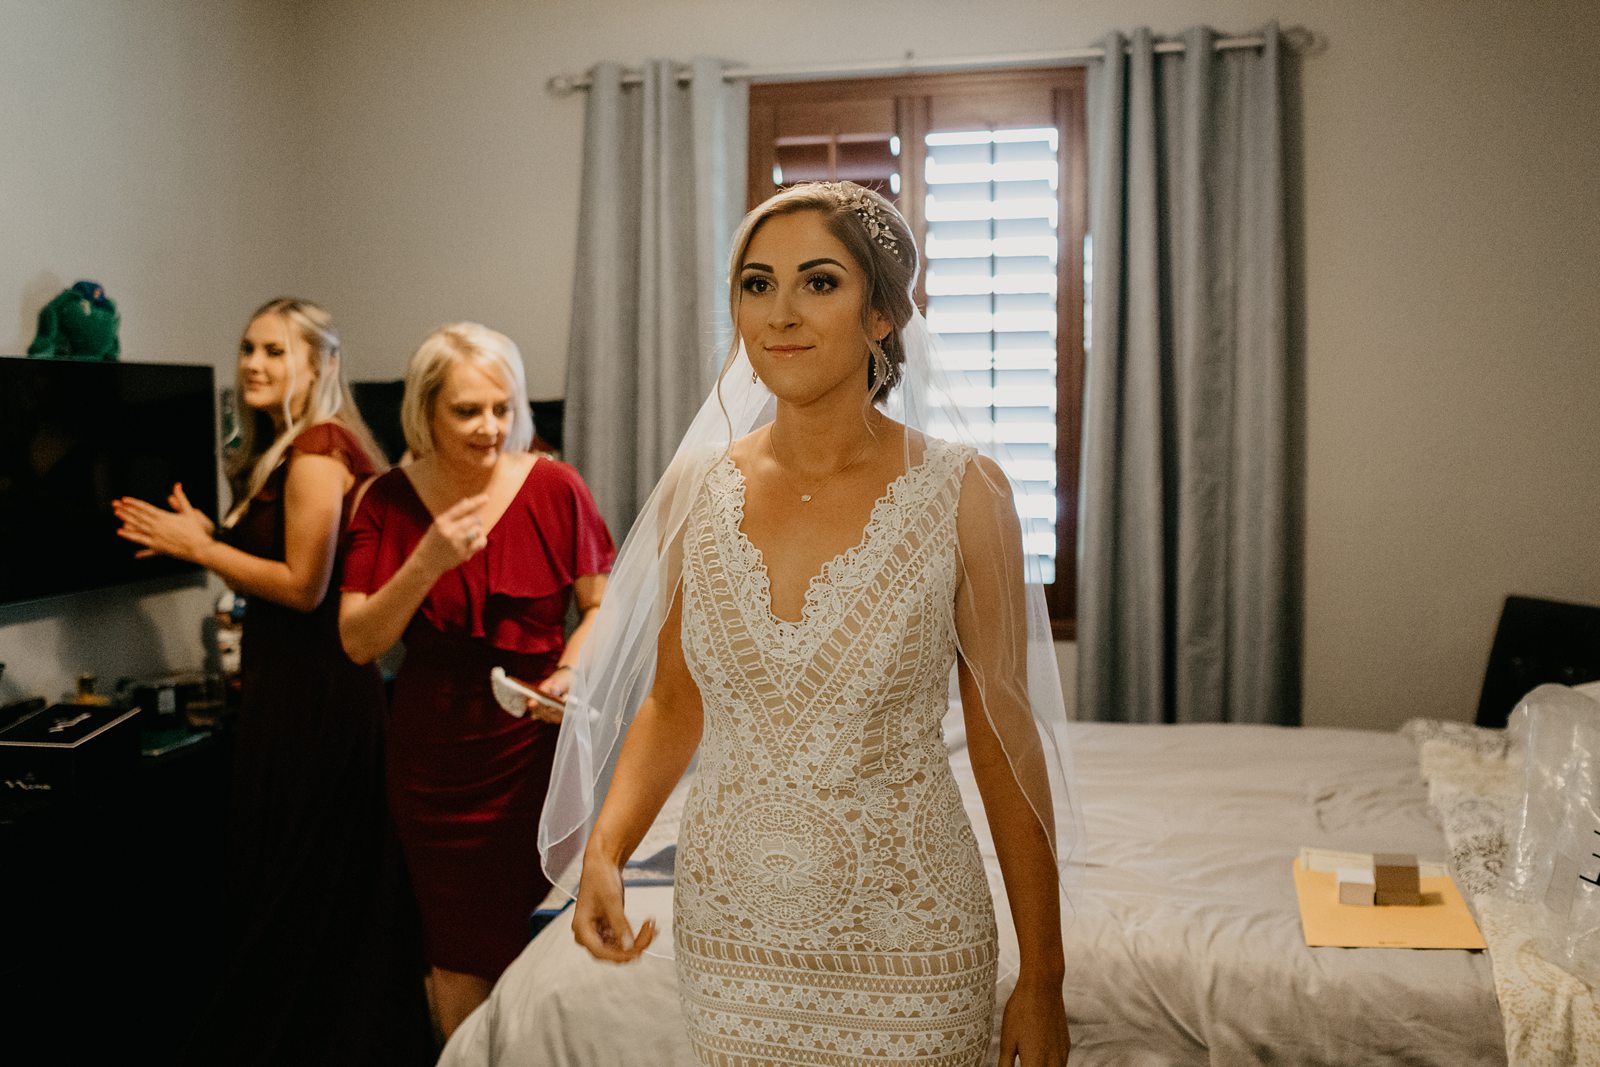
(843, 559)
(423, 504)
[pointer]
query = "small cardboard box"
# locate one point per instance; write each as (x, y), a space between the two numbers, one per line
(1356, 886)
(1396, 878)
(68, 754)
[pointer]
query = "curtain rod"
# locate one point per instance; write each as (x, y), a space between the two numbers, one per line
(1297, 38)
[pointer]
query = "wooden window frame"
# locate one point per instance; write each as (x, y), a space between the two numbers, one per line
(912, 97)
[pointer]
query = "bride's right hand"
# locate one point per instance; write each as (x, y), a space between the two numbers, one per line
(598, 921)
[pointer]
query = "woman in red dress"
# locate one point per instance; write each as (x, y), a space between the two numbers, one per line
(323, 965)
(472, 554)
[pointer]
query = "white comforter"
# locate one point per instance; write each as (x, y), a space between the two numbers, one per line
(1185, 945)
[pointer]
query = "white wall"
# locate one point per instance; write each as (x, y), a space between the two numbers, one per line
(1452, 231)
(1451, 314)
(148, 146)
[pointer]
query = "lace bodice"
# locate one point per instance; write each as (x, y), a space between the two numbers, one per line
(824, 830)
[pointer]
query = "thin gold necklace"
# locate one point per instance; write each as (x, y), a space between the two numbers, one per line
(805, 498)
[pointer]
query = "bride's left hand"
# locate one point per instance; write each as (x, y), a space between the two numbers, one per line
(1033, 1031)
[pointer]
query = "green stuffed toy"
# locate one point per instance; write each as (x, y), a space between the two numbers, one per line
(81, 323)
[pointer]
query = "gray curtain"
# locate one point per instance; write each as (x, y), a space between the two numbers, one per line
(663, 188)
(1188, 604)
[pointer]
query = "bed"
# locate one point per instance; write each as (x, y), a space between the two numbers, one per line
(1185, 947)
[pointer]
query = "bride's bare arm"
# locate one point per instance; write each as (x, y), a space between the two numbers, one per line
(655, 753)
(1007, 761)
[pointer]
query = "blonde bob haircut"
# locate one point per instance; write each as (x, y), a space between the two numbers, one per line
(443, 349)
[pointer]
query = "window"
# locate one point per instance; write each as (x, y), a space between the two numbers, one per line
(990, 171)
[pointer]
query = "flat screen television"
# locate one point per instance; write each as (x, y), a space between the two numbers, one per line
(75, 435)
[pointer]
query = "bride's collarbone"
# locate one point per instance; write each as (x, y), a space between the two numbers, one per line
(796, 539)
(809, 508)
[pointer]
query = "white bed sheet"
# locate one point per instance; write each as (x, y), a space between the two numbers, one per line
(1185, 944)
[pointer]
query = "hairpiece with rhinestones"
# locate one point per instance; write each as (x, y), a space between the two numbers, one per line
(872, 216)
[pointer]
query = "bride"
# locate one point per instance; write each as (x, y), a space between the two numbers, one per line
(799, 594)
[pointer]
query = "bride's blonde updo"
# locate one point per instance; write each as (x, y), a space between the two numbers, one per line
(875, 234)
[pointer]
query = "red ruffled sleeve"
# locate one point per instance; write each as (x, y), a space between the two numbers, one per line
(382, 534)
(514, 593)
(332, 439)
(551, 536)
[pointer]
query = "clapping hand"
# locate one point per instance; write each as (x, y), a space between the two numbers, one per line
(456, 535)
(177, 501)
(182, 533)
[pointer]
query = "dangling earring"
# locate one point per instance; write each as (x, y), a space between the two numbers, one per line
(754, 377)
(874, 373)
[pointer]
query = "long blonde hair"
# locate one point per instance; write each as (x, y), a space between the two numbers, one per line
(258, 451)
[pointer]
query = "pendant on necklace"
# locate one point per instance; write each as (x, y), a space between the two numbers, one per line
(805, 498)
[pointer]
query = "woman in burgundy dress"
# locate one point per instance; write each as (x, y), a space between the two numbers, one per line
(472, 554)
(323, 965)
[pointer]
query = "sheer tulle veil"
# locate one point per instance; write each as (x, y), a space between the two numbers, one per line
(1019, 682)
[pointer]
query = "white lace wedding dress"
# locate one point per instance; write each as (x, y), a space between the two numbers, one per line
(831, 905)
